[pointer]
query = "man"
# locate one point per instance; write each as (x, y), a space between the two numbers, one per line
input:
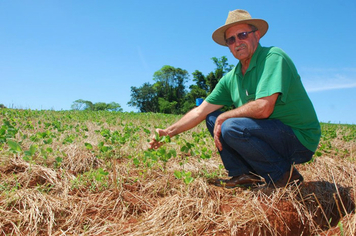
(274, 125)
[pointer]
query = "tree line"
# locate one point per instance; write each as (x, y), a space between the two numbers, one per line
(168, 93)
(81, 104)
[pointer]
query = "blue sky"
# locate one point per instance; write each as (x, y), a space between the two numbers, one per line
(55, 52)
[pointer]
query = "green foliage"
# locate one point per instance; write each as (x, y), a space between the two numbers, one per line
(8, 130)
(45, 152)
(40, 137)
(88, 146)
(168, 94)
(31, 152)
(14, 146)
(150, 158)
(167, 106)
(144, 98)
(58, 162)
(94, 180)
(185, 176)
(222, 68)
(170, 84)
(95, 151)
(81, 104)
(332, 132)
(188, 148)
(200, 81)
(341, 227)
(162, 139)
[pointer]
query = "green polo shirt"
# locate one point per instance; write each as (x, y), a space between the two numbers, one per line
(272, 71)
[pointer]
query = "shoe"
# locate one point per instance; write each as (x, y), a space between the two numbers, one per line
(289, 178)
(243, 181)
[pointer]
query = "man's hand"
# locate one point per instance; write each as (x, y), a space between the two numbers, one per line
(188, 121)
(155, 143)
(217, 132)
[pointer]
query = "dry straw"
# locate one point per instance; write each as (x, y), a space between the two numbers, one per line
(38, 198)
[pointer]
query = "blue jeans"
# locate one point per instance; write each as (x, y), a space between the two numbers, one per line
(264, 147)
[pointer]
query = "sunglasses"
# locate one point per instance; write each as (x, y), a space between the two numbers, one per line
(240, 36)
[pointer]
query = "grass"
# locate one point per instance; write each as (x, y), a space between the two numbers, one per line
(90, 173)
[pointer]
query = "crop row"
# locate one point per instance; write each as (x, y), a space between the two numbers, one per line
(49, 138)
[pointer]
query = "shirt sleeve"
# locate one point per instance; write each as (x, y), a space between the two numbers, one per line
(221, 94)
(275, 77)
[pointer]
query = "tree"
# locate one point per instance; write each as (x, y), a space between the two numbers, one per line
(167, 106)
(222, 67)
(170, 83)
(2, 106)
(81, 104)
(205, 84)
(200, 80)
(144, 98)
(100, 106)
(194, 93)
(168, 93)
(113, 106)
(198, 90)
(222, 64)
(78, 105)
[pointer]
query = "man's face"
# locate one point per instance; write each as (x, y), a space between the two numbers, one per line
(242, 49)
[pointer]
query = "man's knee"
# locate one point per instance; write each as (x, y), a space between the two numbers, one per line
(211, 118)
(234, 128)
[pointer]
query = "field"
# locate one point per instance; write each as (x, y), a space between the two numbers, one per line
(90, 173)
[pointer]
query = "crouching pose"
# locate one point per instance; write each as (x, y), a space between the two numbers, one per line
(274, 125)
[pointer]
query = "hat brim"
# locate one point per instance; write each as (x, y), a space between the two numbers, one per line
(219, 34)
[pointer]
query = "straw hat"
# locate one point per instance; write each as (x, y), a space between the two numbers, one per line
(238, 17)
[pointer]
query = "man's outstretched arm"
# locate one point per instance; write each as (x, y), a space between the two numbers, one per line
(187, 122)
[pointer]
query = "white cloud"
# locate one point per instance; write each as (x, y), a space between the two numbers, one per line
(319, 79)
(142, 58)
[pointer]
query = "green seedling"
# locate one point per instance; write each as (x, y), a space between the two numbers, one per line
(341, 226)
(94, 179)
(45, 152)
(8, 131)
(14, 146)
(185, 176)
(162, 139)
(188, 148)
(205, 153)
(58, 162)
(29, 154)
(88, 146)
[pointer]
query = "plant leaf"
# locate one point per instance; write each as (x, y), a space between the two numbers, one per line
(14, 146)
(178, 174)
(88, 146)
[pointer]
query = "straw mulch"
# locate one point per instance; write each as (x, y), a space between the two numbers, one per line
(156, 203)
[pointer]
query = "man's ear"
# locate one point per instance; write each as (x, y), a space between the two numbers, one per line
(258, 35)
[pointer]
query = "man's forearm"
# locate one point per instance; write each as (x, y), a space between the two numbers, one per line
(187, 122)
(259, 109)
